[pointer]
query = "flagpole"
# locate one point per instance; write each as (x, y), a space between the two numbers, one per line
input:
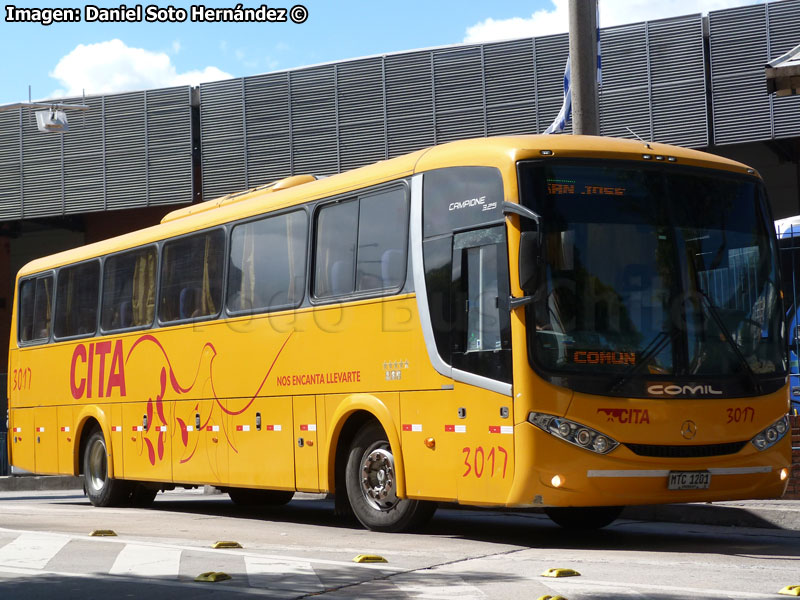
(583, 57)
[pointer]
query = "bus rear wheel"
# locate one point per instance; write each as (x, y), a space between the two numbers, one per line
(248, 497)
(101, 489)
(371, 482)
(584, 517)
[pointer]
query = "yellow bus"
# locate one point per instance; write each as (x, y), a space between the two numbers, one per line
(566, 322)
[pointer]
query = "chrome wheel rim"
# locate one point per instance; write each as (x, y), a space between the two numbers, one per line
(377, 477)
(97, 468)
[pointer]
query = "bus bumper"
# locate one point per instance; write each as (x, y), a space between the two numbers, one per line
(622, 478)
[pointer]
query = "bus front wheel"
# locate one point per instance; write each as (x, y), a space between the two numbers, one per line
(372, 485)
(584, 517)
(101, 489)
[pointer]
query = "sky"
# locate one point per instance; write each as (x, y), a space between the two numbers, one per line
(70, 58)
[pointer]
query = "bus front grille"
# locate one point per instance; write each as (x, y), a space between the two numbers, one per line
(686, 451)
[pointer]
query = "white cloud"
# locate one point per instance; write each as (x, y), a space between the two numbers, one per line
(612, 12)
(108, 67)
(176, 46)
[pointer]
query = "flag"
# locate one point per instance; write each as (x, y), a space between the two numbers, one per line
(565, 114)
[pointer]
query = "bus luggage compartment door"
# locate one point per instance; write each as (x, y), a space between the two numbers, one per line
(305, 443)
(45, 421)
(20, 429)
(262, 454)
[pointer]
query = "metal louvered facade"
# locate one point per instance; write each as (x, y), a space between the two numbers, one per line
(127, 151)
(335, 117)
(742, 40)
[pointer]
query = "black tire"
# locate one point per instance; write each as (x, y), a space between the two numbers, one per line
(142, 496)
(248, 497)
(370, 481)
(100, 488)
(584, 517)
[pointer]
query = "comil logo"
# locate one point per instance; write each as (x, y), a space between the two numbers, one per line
(661, 389)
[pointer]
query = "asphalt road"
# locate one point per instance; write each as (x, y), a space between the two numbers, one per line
(302, 551)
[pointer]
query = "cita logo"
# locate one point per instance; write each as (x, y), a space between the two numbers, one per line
(467, 203)
(97, 369)
(661, 389)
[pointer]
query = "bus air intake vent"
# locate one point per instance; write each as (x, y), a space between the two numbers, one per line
(686, 451)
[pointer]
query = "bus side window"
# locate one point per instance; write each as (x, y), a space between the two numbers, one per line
(35, 304)
(361, 244)
(129, 289)
(76, 307)
(334, 262)
(382, 235)
(268, 263)
(191, 276)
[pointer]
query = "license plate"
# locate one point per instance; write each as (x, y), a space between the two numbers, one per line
(689, 480)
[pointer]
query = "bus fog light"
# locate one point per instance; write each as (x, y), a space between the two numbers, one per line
(574, 433)
(557, 481)
(772, 434)
(784, 474)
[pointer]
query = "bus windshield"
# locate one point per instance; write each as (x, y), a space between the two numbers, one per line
(653, 273)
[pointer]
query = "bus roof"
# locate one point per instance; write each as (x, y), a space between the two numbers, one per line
(502, 152)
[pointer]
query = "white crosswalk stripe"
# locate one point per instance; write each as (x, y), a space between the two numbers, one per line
(32, 550)
(147, 561)
(282, 575)
(418, 587)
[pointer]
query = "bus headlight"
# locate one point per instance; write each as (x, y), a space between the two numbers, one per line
(574, 433)
(772, 434)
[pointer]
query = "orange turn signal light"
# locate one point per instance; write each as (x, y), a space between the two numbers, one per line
(430, 443)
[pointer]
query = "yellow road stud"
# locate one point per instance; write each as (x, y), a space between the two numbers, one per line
(560, 573)
(791, 590)
(549, 597)
(224, 544)
(212, 576)
(102, 532)
(369, 558)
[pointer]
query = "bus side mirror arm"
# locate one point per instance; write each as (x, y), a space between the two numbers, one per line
(525, 213)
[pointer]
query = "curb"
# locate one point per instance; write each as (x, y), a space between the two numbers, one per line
(37, 483)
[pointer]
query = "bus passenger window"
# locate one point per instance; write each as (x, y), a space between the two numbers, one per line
(361, 244)
(76, 292)
(35, 309)
(191, 277)
(334, 272)
(129, 290)
(382, 233)
(268, 263)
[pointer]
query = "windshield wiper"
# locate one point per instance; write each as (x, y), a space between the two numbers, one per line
(712, 310)
(655, 346)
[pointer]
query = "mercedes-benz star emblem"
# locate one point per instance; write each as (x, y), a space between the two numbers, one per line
(688, 429)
